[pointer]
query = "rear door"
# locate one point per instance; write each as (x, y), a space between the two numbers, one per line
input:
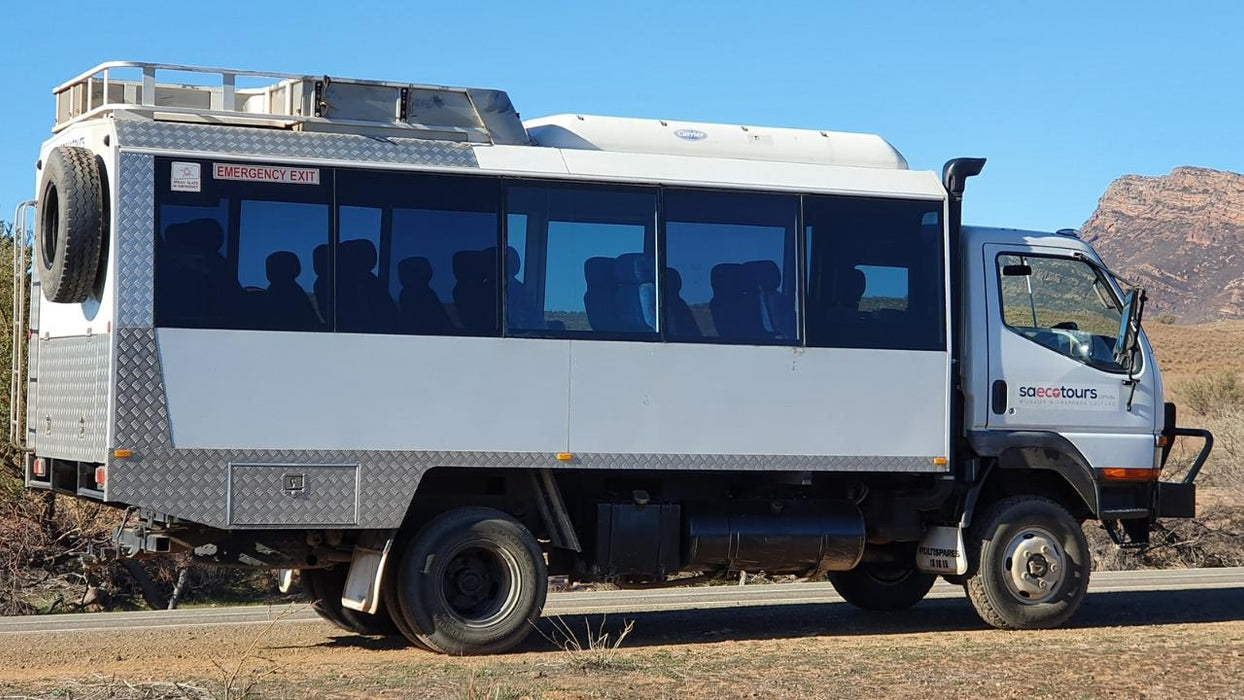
(1053, 318)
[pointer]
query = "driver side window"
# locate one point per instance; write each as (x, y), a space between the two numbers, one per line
(1063, 304)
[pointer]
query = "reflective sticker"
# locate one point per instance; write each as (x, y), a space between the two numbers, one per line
(266, 173)
(186, 177)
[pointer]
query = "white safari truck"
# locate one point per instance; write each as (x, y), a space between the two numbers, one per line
(429, 354)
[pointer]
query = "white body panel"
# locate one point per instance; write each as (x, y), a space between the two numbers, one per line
(345, 391)
(713, 399)
(95, 315)
(270, 390)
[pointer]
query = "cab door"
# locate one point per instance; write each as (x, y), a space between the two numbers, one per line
(1053, 320)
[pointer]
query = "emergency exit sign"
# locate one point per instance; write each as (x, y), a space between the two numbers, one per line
(266, 173)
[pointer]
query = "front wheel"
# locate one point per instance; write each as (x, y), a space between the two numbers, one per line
(882, 587)
(1031, 564)
(471, 581)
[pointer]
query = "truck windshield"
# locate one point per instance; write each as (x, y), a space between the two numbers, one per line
(1064, 304)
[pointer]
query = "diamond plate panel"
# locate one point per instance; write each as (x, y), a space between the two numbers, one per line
(280, 143)
(141, 409)
(276, 494)
(135, 239)
(69, 399)
(195, 484)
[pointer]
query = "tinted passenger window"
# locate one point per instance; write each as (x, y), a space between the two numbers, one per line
(417, 254)
(588, 263)
(239, 254)
(730, 267)
(1064, 304)
(875, 273)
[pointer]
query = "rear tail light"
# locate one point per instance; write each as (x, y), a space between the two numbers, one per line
(39, 468)
(101, 476)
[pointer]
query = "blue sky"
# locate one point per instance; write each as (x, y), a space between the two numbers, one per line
(1062, 97)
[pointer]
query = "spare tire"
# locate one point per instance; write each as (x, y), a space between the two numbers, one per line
(72, 223)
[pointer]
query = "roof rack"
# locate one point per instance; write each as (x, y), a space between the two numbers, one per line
(289, 101)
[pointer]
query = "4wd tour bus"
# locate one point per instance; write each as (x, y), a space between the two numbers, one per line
(428, 354)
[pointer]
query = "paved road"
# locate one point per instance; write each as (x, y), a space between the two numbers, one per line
(607, 602)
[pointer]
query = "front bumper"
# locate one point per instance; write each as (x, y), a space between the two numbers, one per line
(1177, 499)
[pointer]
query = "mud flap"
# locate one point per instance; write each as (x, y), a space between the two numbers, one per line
(942, 551)
(362, 589)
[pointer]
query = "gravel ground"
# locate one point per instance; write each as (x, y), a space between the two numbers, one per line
(1125, 645)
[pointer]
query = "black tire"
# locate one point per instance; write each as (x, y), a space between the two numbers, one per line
(882, 587)
(1007, 593)
(324, 586)
(472, 581)
(72, 224)
(391, 594)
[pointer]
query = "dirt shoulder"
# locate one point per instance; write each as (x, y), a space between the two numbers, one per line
(1143, 644)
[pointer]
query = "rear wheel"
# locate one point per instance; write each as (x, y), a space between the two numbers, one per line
(471, 581)
(325, 587)
(882, 586)
(1031, 564)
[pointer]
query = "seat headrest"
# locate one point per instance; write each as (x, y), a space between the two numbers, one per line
(598, 272)
(283, 266)
(475, 265)
(200, 236)
(634, 268)
(414, 271)
(851, 285)
(319, 258)
(726, 278)
(765, 274)
(673, 280)
(513, 263)
(358, 255)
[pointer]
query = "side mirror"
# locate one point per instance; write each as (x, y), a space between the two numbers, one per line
(1128, 337)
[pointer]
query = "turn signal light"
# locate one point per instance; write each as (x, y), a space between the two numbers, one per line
(565, 457)
(940, 461)
(1130, 474)
(123, 454)
(1163, 441)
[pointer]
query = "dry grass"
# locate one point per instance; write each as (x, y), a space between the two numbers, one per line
(1187, 351)
(597, 650)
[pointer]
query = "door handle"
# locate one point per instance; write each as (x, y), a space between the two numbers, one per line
(999, 396)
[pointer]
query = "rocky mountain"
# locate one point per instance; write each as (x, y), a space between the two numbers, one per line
(1181, 236)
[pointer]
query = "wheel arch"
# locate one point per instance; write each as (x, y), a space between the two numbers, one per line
(1032, 462)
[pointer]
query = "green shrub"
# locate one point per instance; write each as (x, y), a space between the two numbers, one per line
(1212, 393)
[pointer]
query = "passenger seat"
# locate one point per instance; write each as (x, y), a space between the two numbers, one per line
(636, 292)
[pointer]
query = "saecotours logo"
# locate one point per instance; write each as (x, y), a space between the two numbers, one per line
(1057, 392)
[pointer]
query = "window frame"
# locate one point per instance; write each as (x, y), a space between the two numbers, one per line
(502, 186)
(800, 339)
(1070, 256)
(384, 265)
(656, 336)
(234, 193)
(942, 269)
